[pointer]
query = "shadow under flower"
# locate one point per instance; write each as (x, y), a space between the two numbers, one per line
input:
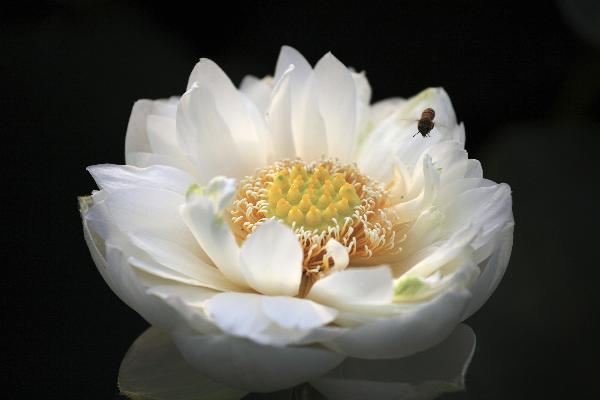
(153, 368)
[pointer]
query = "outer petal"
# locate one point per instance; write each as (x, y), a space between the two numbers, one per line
(271, 260)
(152, 211)
(418, 329)
(121, 278)
(173, 257)
(493, 271)
(114, 177)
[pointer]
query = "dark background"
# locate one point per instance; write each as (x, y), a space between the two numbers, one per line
(523, 78)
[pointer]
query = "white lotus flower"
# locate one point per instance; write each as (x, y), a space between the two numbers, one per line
(294, 220)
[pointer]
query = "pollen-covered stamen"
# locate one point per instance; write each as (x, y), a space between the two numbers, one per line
(321, 201)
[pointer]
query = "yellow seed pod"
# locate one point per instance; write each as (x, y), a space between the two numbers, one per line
(324, 200)
(338, 180)
(313, 216)
(281, 180)
(306, 203)
(321, 173)
(275, 193)
(293, 194)
(297, 170)
(329, 213)
(328, 187)
(348, 192)
(282, 208)
(314, 182)
(295, 215)
(343, 207)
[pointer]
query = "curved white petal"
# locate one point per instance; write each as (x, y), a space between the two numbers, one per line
(257, 90)
(112, 177)
(408, 209)
(493, 271)
(354, 286)
(294, 313)
(279, 117)
(238, 314)
(205, 136)
(202, 215)
(418, 329)
(145, 160)
(337, 106)
(338, 253)
(136, 139)
(152, 211)
(232, 107)
(120, 277)
(290, 56)
(271, 259)
(489, 208)
(178, 259)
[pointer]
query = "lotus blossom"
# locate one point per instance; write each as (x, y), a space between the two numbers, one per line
(291, 223)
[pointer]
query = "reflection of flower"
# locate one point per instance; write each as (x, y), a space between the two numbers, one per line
(335, 225)
(153, 368)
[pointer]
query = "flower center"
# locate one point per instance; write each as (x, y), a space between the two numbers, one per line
(321, 200)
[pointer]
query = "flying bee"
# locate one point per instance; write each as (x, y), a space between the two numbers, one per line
(425, 123)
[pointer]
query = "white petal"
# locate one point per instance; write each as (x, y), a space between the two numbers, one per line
(409, 209)
(238, 314)
(257, 90)
(422, 327)
(493, 271)
(213, 234)
(231, 106)
(114, 177)
(354, 286)
(290, 56)
(294, 313)
(488, 208)
(279, 117)
(310, 138)
(338, 253)
(249, 366)
(178, 259)
(136, 139)
(456, 246)
(144, 160)
(337, 105)
(121, 278)
(205, 135)
(271, 259)
(153, 211)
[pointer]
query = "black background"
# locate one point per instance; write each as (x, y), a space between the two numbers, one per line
(523, 78)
